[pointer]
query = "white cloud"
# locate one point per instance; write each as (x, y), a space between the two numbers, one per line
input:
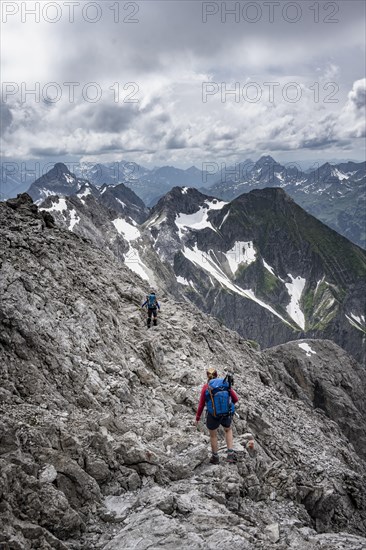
(169, 54)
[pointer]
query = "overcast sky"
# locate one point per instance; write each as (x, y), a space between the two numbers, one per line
(150, 79)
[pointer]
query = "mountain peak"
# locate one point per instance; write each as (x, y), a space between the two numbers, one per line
(265, 161)
(61, 167)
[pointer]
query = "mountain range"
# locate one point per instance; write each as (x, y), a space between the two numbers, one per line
(334, 193)
(259, 263)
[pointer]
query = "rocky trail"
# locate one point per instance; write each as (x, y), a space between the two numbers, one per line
(98, 448)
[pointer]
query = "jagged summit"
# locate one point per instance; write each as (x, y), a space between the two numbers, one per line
(61, 167)
(266, 160)
(98, 447)
(58, 181)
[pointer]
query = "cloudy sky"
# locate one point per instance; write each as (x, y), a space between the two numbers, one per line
(183, 82)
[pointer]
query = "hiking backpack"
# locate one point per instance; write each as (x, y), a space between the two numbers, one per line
(151, 301)
(218, 398)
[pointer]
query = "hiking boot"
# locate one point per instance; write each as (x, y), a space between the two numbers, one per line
(232, 458)
(214, 459)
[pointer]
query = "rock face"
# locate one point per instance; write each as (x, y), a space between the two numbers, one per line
(263, 266)
(97, 443)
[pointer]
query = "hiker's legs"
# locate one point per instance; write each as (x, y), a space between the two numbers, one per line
(149, 313)
(229, 437)
(213, 441)
(155, 314)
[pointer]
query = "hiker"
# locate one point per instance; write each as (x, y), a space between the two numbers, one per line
(152, 306)
(219, 398)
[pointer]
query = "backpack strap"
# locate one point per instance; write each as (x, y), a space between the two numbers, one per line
(212, 400)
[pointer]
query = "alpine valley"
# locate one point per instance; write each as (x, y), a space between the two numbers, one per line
(259, 263)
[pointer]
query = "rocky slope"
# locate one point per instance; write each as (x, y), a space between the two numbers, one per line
(263, 266)
(97, 443)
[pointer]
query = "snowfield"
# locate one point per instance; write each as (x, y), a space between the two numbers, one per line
(127, 230)
(295, 290)
(199, 219)
(205, 262)
(241, 253)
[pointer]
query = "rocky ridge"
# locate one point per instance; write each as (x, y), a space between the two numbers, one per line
(98, 447)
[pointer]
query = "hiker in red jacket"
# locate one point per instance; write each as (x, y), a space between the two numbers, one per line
(213, 422)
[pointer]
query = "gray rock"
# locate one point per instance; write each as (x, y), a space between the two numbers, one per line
(273, 532)
(89, 394)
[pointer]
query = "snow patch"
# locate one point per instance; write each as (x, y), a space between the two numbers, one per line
(74, 219)
(85, 193)
(358, 318)
(215, 204)
(242, 252)
(205, 262)
(129, 232)
(225, 218)
(295, 290)
(357, 321)
(156, 220)
(134, 262)
(182, 280)
(69, 178)
(59, 206)
(199, 219)
(307, 348)
(340, 175)
(184, 190)
(121, 203)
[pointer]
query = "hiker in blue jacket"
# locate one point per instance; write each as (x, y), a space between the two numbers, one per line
(152, 308)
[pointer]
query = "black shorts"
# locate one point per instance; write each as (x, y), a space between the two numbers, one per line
(213, 423)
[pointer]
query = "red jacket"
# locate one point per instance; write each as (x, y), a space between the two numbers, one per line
(202, 403)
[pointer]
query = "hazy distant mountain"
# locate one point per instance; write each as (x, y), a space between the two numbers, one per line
(335, 194)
